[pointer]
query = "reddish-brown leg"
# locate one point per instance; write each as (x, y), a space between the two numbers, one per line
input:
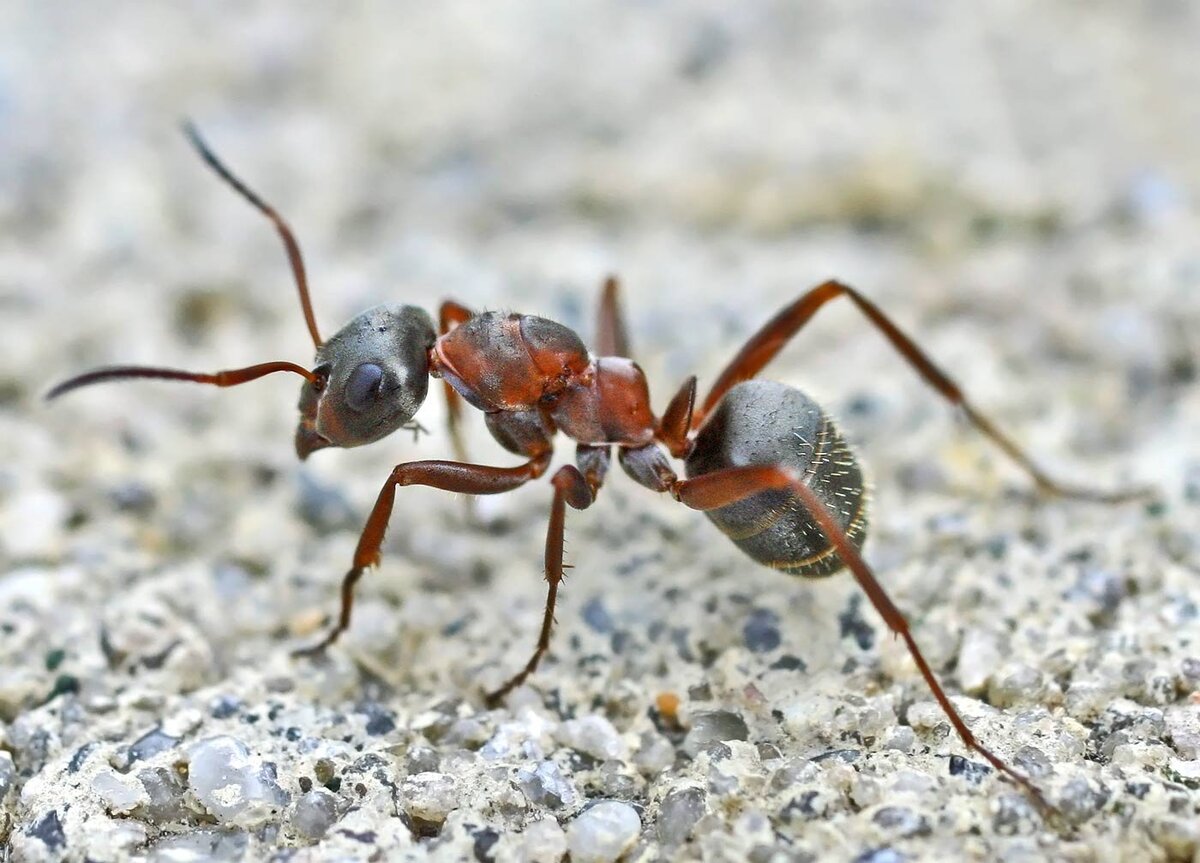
(723, 487)
(777, 332)
(612, 337)
(450, 315)
(676, 421)
(446, 475)
(570, 487)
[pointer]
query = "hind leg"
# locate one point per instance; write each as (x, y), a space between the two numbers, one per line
(762, 347)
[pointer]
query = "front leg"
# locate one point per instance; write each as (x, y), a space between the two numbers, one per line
(446, 475)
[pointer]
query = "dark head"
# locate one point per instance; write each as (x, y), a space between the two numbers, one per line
(373, 375)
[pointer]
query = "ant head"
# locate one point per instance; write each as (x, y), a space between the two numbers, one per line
(371, 378)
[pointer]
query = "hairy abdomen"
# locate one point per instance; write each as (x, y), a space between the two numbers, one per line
(765, 422)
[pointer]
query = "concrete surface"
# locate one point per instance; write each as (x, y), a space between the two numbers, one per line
(1015, 182)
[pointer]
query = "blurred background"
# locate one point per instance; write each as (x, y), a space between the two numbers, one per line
(1015, 182)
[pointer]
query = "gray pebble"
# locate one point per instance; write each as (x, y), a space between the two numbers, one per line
(713, 726)
(150, 744)
(420, 759)
(1032, 762)
(901, 821)
(603, 833)
(1078, 801)
(323, 506)
(314, 813)
(545, 785)
(1016, 685)
(761, 631)
(678, 814)
(8, 774)
(164, 792)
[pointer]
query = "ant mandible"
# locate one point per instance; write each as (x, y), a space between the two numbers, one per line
(762, 460)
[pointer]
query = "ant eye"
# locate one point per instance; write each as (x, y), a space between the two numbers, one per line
(362, 388)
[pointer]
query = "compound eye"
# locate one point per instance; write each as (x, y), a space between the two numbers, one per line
(362, 389)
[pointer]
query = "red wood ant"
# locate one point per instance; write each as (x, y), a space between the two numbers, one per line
(762, 460)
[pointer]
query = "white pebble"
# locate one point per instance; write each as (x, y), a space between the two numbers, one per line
(121, 794)
(603, 833)
(543, 842)
(594, 736)
(235, 787)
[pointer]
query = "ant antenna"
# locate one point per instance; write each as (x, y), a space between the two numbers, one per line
(230, 378)
(285, 232)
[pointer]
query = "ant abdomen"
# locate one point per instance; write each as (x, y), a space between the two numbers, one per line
(767, 423)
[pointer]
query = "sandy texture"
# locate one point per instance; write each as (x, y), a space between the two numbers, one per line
(1015, 182)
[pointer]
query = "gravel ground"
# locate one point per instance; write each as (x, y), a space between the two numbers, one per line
(1016, 183)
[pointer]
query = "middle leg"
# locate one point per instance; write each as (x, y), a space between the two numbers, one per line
(570, 487)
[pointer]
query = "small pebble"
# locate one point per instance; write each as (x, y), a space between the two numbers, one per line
(594, 736)
(121, 793)
(8, 774)
(1015, 685)
(150, 744)
(761, 631)
(545, 785)
(900, 821)
(430, 797)
(314, 813)
(596, 615)
(979, 656)
(603, 833)
(1032, 762)
(164, 793)
(234, 786)
(902, 739)
(543, 842)
(200, 846)
(678, 814)
(1078, 801)
(713, 726)
(323, 506)
(882, 855)
(654, 754)
(421, 759)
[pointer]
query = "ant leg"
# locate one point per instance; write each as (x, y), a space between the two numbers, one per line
(612, 336)
(676, 422)
(450, 315)
(729, 485)
(446, 475)
(571, 487)
(762, 347)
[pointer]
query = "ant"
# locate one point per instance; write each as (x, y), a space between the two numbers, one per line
(761, 459)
